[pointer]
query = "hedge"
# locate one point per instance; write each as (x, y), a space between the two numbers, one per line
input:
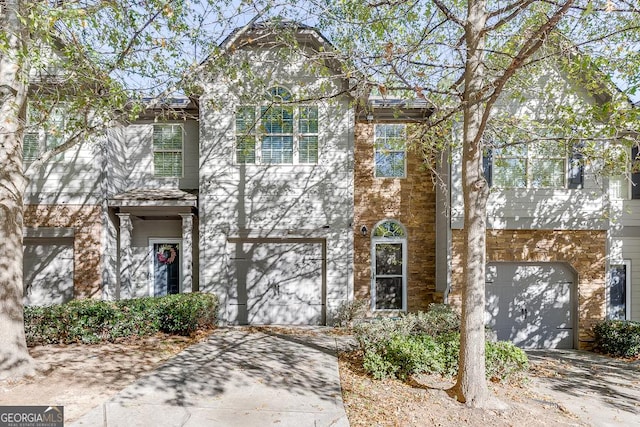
(93, 321)
(620, 338)
(429, 342)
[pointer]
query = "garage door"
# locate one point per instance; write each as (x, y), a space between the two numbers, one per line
(276, 282)
(48, 270)
(531, 305)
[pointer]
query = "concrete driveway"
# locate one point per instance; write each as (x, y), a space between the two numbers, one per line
(599, 390)
(237, 377)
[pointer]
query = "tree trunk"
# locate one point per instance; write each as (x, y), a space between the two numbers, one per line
(471, 386)
(15, 361)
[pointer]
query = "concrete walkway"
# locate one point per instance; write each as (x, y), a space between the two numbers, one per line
(235, 378)
(599, 390)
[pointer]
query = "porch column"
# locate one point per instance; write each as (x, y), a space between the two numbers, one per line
(125, 255)
(187, 252)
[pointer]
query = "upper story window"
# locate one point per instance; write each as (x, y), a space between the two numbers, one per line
(625, 183)
(390, 143)
(541, 164)
(277, 132)
(43, 132)
(167, 150)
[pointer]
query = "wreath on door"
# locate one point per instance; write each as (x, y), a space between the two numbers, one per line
(166, 254)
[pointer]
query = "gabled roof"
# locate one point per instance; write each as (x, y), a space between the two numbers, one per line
(270, 33)
(266, 32)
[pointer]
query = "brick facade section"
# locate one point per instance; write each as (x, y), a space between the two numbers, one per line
(585, 251)
(87, 224)
(411, 201)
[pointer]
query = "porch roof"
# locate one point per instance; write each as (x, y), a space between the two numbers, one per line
(152, 197)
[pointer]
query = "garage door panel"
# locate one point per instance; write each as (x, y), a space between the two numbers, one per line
(277, 282)
(530, 304)
(48, 271)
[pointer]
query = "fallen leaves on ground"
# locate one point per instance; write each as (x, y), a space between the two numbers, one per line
(424, 401)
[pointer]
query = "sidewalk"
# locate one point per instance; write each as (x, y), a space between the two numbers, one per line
(599, 390)
(235, 378)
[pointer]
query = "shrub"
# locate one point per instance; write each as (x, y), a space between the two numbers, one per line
(439, 319)
(505, 361)
(450, 343)
(349, 311)
(429, 343)
(403, 356)
(92, 321)
(182, 316)
(620, 338)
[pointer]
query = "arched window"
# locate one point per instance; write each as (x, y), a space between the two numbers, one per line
(278, 94)
(389, 266)
(277, 131)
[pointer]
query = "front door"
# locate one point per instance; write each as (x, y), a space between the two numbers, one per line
(165, 267)
(388, 276)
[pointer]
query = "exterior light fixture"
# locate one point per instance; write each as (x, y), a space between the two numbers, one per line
(363, 230)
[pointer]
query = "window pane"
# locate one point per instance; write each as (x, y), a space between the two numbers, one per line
(618, 292)
(167, 164)
(278, 94)
(167, 137)
(390, 143)
(390, 164)
(510, 173)
(30, 147)
(308, 121)
(389, 259)
(246, 149)
(389, 229)
(309, 149)
(277, 119)
(547, 173)
(246, 119)
(389, 293)
(277, 149)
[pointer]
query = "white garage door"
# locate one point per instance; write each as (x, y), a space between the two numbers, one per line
(276, 282)
(531, 305)
(48, 271)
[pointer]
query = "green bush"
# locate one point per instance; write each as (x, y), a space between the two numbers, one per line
(92, 321)
(620, 338)
(439, 319)
(349, 311)
(429, 343)
(182, 316)
(405, 355)
(505, 361)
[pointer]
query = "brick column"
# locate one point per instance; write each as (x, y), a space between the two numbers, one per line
(126, 227)
(187, 252)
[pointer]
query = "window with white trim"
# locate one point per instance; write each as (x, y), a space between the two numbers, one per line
(277, 132)
(390, 142)
(389, 266)
(541, 164)
(534, 165)
(619, 291)
(43, 132)
(168, 150)
(625, 184)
